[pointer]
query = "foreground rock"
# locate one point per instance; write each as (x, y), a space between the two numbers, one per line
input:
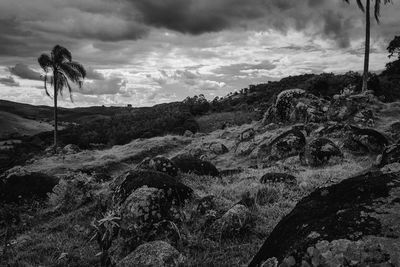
(319, 151)
(191, 164)
(19, 186)
(364, 208)
(364, 140)
(130, 181)
(153, 254)
(285, 145)
(390, 154)
(147, 214)
(159, 163)
(276, 177)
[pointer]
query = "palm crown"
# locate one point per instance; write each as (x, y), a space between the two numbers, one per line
(63, 68)
(377, 7)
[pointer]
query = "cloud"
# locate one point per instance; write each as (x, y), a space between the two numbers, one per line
(23, 71)
(242, 68)
(110, 86)
(93, 74)
(9, 81)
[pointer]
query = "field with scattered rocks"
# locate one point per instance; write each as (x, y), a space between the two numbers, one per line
(314, 183)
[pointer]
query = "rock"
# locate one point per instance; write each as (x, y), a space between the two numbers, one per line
(364, 140)
(390, 154)
(245, 148)
(287, 144)
(188, 133)
(146, 214)
(132, 180)
(319, 151)
(247, 135)
(71, 149)
(153, 254)
(190, 164)
(159, 163)
(232, 223)
(218, 148)
(362, 208)
(343, 108)
(23, 185)
(276, 177)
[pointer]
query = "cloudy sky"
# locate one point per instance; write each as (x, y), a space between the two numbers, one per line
(145, 52)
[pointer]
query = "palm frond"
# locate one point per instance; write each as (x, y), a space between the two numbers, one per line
(360, 5)
(45, 85)
(60, 54)
(45, 62)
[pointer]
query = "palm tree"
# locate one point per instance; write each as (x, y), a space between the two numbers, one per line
(377, 9)
(64, 70)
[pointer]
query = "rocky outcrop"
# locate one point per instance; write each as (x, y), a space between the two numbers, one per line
(362, 209)
(319, 151)
(132, 180)
(159, 163)
(296, 105)
(153, 254)
(190, 164)
(285, 145)
(364, 140)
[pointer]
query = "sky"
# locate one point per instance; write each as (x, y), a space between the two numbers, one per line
(146, 52)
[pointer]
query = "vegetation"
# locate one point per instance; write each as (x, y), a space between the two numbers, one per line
(63, 71)
(377, 9)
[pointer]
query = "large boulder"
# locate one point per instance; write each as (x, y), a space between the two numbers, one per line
(190, 164)
(22, 185)
(364, 140)
(132, 180)
(277, 177)
(319, 151)
(153, 254)
(287, 144)
(147, 214)
(159, 163)
(364, 208)
(296, 105)
(344, 107)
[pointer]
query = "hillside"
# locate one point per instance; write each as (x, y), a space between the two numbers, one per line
(266, 171)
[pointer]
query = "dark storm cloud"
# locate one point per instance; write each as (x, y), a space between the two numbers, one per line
(9, 81)
(23, 71)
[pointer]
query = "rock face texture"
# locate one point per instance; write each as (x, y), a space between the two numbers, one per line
(363, 210)
(190, 164)
(17, 186)
(319, 151)
(285, 145)
(153, 254)
(130, 181)
(159, 163)
(364, 140)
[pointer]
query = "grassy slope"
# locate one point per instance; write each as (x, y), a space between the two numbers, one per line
(50, 235)
(12, 123)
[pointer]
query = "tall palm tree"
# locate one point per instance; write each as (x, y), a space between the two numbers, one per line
(64, 70)
(366, 10)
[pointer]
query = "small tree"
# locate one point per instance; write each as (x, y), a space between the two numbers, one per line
(64, 70)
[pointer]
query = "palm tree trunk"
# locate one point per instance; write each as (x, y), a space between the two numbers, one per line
(367, 43)
(55, 110)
